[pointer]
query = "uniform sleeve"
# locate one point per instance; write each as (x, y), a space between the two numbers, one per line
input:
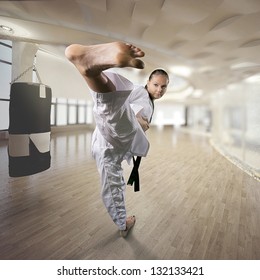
(140, 102)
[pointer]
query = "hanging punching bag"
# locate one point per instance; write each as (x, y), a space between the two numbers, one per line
(29, 129)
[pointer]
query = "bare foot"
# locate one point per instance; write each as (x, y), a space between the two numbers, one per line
(92, 60)
(130, 221)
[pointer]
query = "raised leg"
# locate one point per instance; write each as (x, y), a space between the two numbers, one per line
(92, 60)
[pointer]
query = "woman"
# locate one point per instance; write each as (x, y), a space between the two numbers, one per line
(122, 112)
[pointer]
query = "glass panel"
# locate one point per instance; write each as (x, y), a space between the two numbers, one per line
(61, 114)
(7, 42)
(81, 114)
(5, 79)
(5, 53)
(4, 115)
(72, 114)
(199, 117)
(89, 113)
(178, 115)
(251, 127)
(166, 114)
(236, 125)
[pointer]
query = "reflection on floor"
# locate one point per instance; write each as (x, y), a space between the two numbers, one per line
(193, 204)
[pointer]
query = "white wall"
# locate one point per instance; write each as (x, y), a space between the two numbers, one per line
(62, 76)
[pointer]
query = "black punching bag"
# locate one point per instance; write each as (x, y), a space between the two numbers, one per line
(29, 129)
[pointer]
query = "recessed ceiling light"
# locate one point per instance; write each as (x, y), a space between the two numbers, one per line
(6, 28)
(183, 71)
(244, 65)
(253, 79)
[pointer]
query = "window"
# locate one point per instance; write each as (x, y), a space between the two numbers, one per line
(4, 120)
(6, 50)
(72, 114)
(5, 79)
(81, 114)
(69, 111)
(62, 114)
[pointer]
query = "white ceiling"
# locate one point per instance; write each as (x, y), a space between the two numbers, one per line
(218, 41)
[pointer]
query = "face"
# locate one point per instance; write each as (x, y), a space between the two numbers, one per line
(157, 86)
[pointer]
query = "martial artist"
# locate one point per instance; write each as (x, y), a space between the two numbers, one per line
(122, 113)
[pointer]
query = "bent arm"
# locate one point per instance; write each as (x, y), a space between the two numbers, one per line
(143, 122)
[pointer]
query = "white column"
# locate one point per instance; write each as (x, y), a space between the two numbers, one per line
(23, 54)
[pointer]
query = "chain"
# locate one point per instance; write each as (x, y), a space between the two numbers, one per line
(27, 70)
(37, 74)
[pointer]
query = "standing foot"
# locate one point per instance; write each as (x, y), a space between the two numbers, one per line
(130, 222)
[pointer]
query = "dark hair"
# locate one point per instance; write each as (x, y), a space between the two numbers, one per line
(159, 72)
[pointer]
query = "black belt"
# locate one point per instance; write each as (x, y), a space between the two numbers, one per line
(134, 176)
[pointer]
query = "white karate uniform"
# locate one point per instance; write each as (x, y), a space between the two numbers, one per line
(118, 136)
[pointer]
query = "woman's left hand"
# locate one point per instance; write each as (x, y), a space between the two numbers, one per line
(143, 122)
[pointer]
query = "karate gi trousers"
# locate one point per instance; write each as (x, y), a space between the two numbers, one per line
(117, 136)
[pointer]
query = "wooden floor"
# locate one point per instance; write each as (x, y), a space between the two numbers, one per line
(193, 204)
